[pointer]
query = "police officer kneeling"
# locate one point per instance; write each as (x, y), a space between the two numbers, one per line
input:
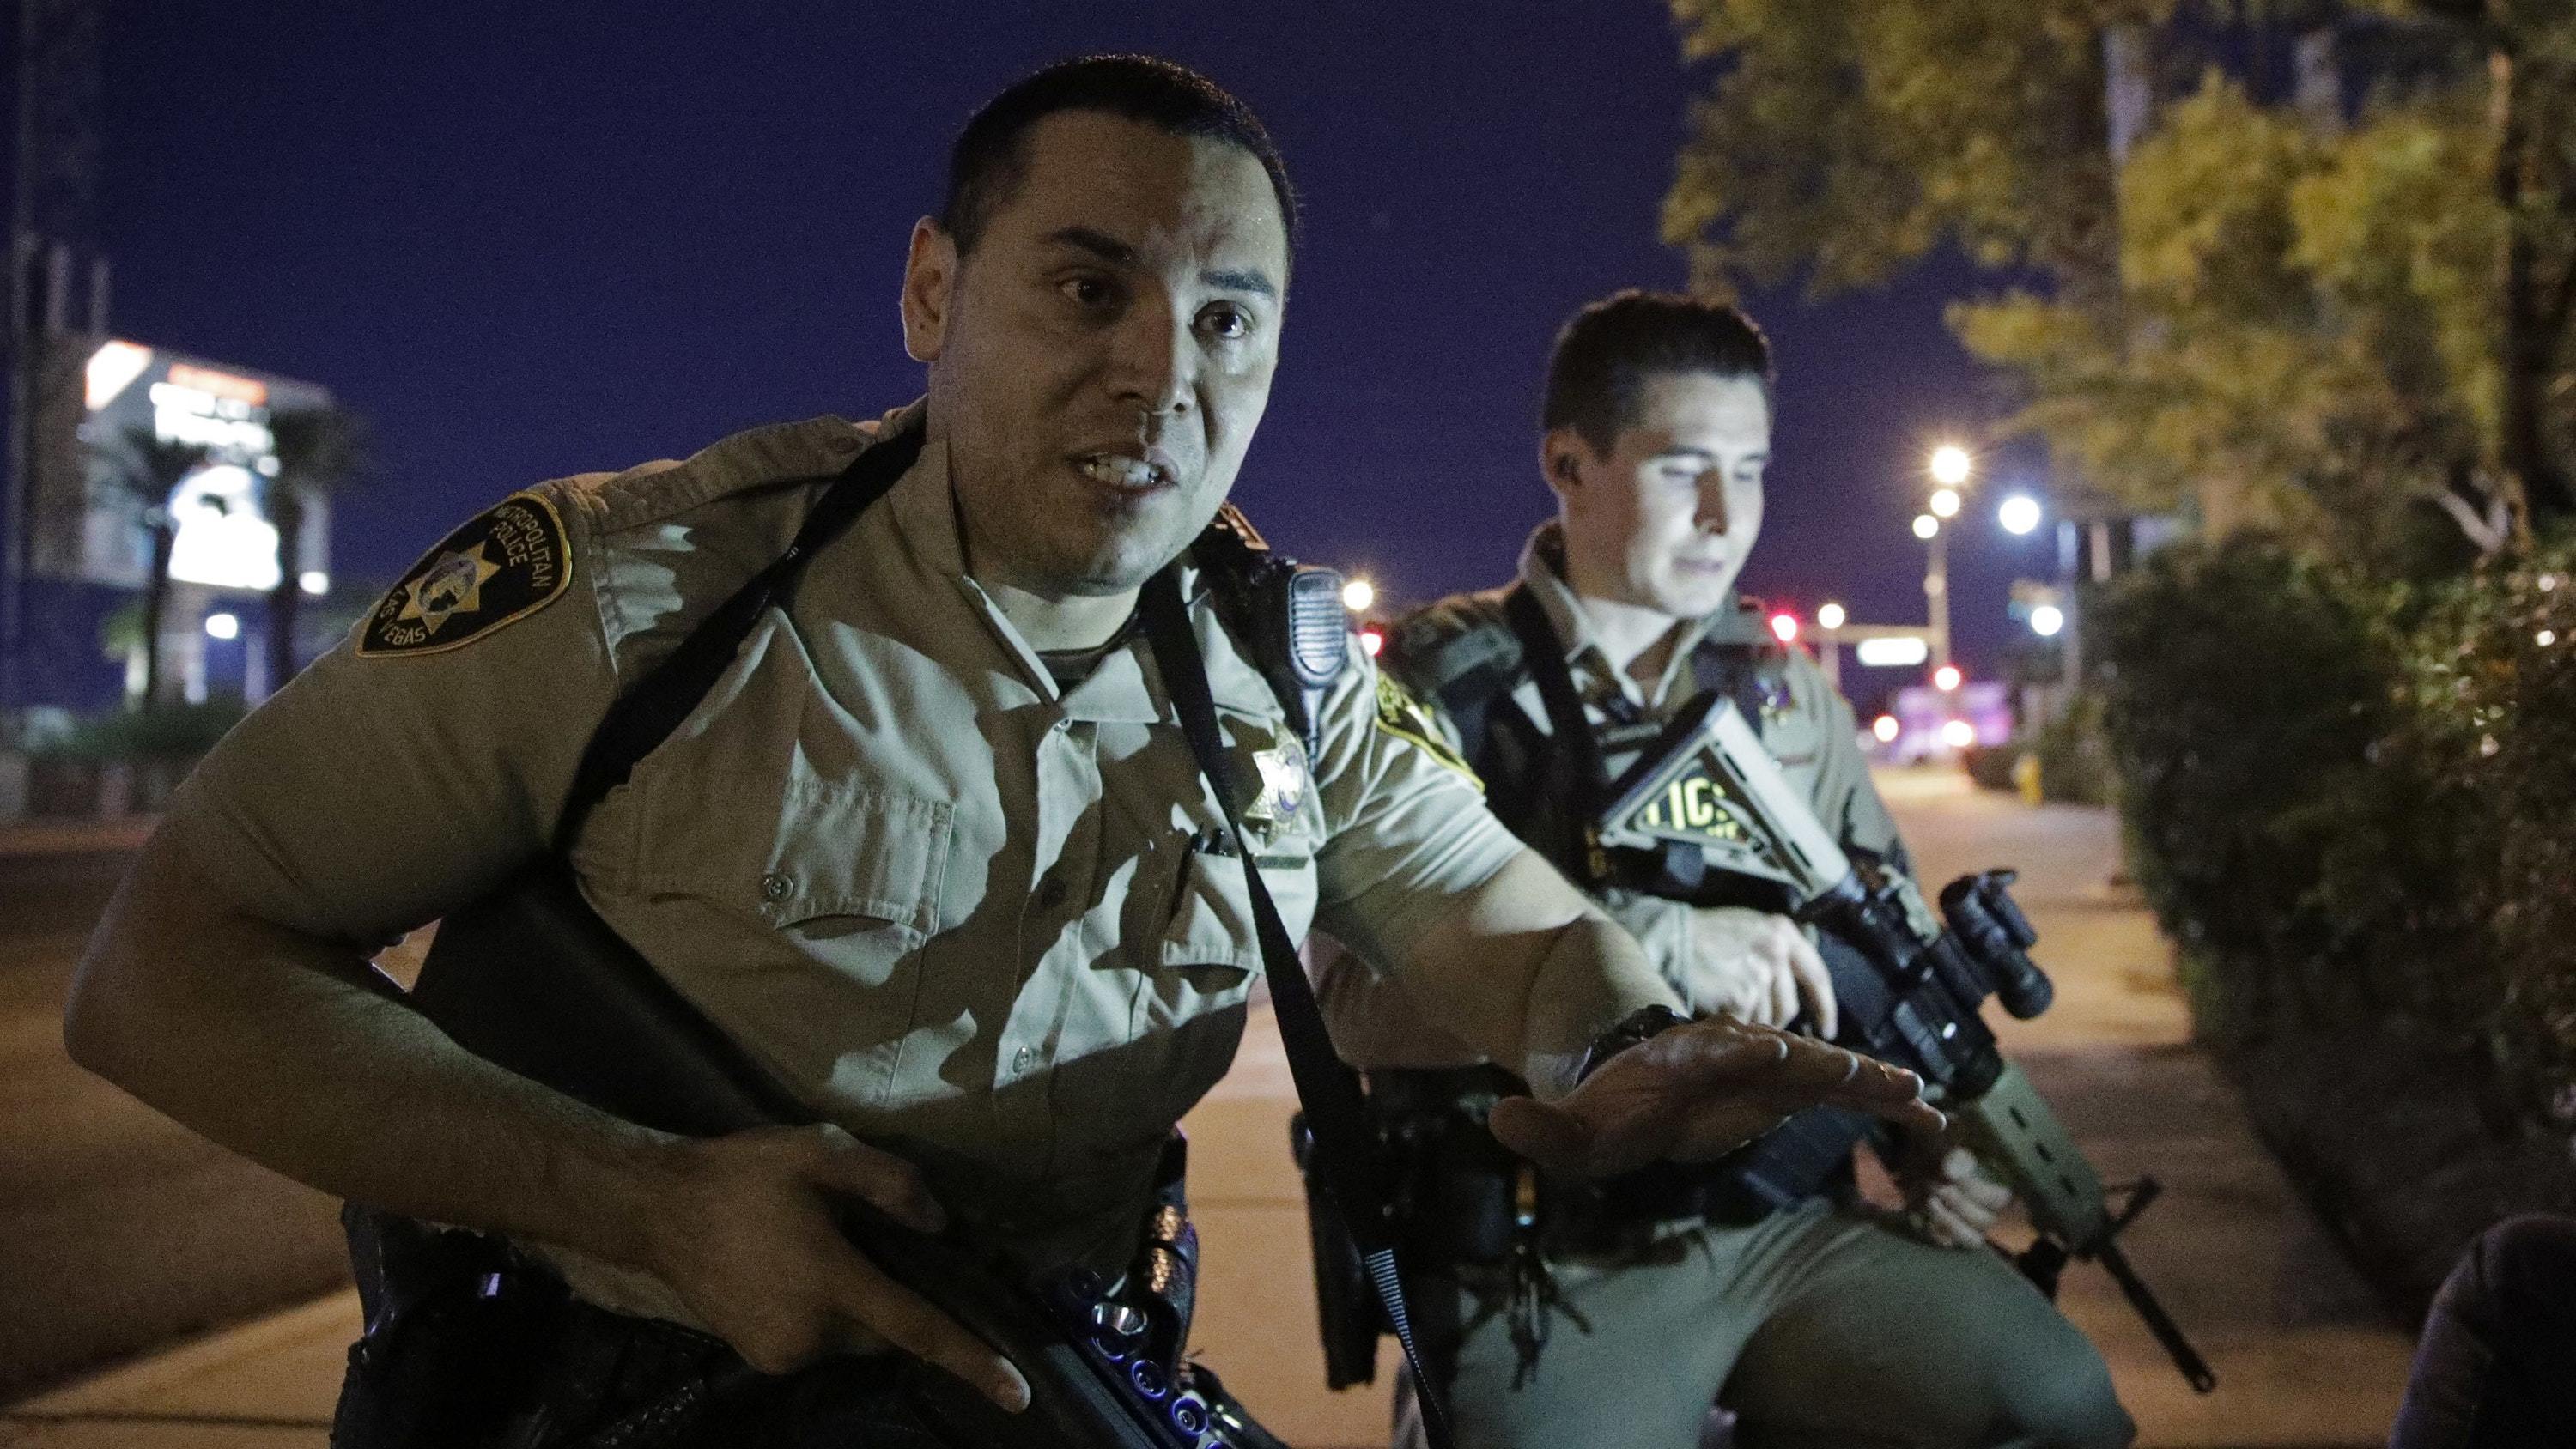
(932, 850)
(1613, 1314)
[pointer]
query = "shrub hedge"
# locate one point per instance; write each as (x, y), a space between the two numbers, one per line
(168, 731)
(2353, 807)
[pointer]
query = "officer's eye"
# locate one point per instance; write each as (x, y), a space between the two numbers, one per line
(1087, 291)
(1226, 320)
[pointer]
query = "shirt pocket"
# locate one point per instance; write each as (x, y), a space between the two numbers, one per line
(1210, 952)
(799, 926)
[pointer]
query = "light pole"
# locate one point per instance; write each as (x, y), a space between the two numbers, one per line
(1830, 618)
(1949, 466)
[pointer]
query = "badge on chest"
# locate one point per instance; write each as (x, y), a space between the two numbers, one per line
(1285, 788)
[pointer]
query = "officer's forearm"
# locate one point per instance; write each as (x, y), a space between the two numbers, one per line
(273, 1044)
(1530, 973)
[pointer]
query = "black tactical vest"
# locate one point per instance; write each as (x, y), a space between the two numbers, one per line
(1467, 657)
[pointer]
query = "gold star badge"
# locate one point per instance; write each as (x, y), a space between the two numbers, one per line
(452, 585)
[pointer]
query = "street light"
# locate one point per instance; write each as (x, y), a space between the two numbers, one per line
(1830, 616)
(1358, 594)
(1947, 678)
(2046, 620)
(1949, 466)
(1784, 627)
(2019, 514)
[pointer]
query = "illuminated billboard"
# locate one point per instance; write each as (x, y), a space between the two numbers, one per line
(88, 523)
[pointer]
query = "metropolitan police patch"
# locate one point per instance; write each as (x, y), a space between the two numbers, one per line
(503, 566)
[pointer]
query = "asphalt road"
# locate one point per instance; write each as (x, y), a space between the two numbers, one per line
(119, 1229)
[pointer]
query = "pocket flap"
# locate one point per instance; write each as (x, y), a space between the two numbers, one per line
(855, 850)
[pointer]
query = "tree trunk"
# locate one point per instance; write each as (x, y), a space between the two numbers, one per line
(156, 602)
(286, 512)
(2524, 345)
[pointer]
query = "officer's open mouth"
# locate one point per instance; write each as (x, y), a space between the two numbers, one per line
(1126, 472)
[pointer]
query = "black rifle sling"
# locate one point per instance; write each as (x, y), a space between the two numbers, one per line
(643, 717)
(1327, 1090)
(1566, 721)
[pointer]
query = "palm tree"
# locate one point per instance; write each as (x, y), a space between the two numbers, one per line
(320, 451)
(151, 469)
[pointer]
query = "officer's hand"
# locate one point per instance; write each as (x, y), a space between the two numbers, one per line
(1698, 1092)
(1756, 965)
(1952, 1199)
(745, 1235)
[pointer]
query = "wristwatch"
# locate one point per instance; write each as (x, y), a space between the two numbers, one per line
(1635, 1027)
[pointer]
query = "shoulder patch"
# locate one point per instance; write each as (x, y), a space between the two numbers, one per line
(506, 564)
(1400, 715)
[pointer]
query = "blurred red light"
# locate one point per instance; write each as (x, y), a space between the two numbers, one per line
(1784, 627)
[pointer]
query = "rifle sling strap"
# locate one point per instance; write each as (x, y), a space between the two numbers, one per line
(643, 717)
(1329, 1091)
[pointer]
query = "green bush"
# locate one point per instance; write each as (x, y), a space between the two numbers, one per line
(2245, 693)
(2489, 699)
(2075, 754)
(2348, 803)
(170, 731)
(1991, 766)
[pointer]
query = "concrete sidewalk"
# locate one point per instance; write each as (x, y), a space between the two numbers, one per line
(73, 837)
(2303, 1358)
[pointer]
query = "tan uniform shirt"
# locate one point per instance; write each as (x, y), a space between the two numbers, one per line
(956, 908)
(1811, 732)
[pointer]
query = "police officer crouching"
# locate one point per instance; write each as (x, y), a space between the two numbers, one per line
(932, 847)
(1613, 1313)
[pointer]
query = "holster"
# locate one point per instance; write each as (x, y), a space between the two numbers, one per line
(1455, 1182)
(471, 1344)
(1347, 1317)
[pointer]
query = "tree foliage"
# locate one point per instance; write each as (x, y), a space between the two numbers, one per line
(320, 452)
(2345, 314)
(1842, 143)
(147, 469)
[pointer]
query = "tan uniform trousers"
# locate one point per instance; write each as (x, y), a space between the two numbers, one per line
(1817, 1326)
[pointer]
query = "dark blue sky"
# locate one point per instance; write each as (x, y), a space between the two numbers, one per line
(532, 240)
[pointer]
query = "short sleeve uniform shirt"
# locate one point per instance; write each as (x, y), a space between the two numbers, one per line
(966, 913)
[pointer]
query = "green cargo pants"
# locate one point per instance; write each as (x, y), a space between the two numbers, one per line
(1817, 1326)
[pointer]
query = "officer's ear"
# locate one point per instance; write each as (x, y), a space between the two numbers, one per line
(929, 290)
(1560, 460)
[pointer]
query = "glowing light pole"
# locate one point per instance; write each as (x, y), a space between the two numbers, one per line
(1949, 466)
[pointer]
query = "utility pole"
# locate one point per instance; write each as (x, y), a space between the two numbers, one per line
(54, 247)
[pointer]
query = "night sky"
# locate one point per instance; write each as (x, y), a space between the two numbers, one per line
(531, 240)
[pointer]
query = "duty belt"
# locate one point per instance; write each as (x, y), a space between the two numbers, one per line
(1432, 1122)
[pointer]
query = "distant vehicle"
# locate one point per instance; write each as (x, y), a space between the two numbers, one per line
(1933, 724)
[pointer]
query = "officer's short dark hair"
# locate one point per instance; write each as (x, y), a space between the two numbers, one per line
(1606, 352)
(986, 163)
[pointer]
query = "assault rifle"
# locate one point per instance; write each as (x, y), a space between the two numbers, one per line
(1908, 993)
